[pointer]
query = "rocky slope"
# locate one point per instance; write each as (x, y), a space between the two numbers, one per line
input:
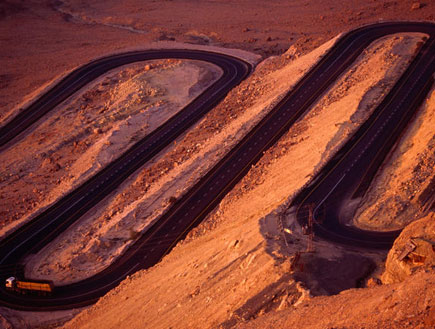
(107, 230)
(410, 304)
(406, 300)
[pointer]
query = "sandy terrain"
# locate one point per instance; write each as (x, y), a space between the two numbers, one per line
(406, 305)
(234, 267)
(91, 129)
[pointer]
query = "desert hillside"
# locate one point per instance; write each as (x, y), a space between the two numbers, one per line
(239, 268)
(235, 266)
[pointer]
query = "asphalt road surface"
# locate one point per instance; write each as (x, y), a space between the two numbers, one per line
(334, 183)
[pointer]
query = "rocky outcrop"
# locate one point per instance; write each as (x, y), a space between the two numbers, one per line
(412, 250)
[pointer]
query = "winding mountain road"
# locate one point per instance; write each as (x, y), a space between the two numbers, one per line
(33, 236)
(336, 191)
(235, 70)
(336, 182)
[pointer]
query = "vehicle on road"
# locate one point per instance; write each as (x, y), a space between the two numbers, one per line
(24, 287)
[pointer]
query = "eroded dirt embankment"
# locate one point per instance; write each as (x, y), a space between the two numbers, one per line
(234, 266)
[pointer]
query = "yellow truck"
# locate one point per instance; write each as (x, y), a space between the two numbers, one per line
(24, 287)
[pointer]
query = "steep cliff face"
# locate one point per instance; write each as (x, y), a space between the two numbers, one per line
(413, 249)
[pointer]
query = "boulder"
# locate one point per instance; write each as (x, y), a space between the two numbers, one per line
(413, 249)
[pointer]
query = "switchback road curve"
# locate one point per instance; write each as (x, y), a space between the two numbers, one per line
(46, 226)
(334, 194)
(234, 69)
(207, 193)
